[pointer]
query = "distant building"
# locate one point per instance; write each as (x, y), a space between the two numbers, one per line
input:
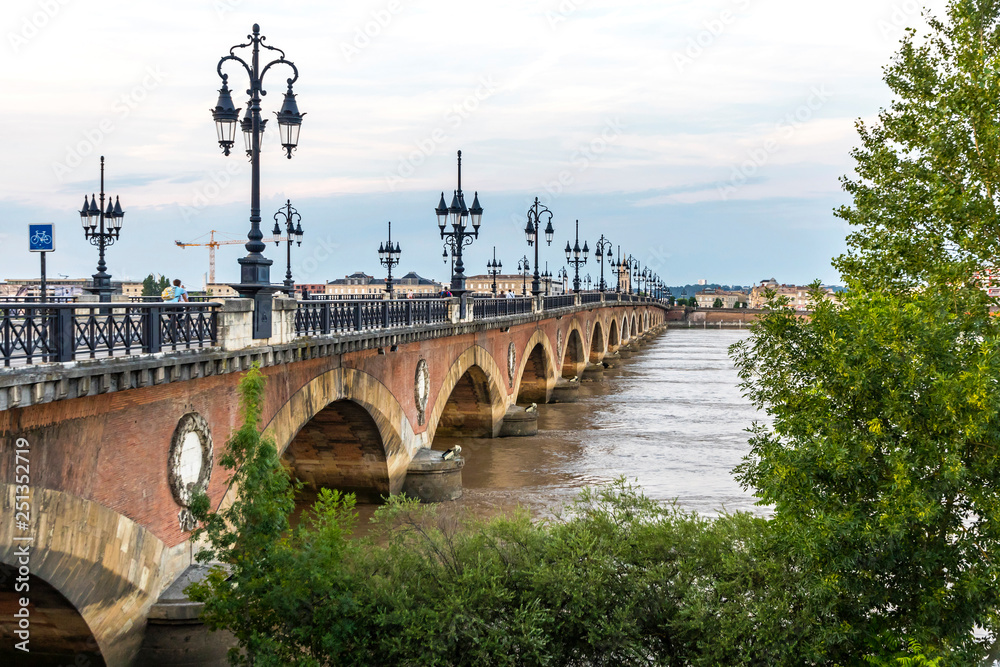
(32, 287)
(220, 289)
(416, 284)
(309, 290)
(360, 284)
(706, 298)
(482, 285)
(798, 295)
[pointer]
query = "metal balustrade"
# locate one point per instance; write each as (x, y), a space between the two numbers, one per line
(32, 334)
(559, 301)
(487, 308)
(37, 299)
(314, 317)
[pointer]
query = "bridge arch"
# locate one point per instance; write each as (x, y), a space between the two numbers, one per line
(574, 355)
(634, 328)
(471, 399)
(623, 329)
(108, 574)
(597, 346)
(357, 414)
(536, 374)
(614, 340)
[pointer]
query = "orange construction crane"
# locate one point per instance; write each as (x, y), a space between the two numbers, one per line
(213, 244)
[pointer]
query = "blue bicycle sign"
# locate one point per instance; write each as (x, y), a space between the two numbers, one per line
(42, 237)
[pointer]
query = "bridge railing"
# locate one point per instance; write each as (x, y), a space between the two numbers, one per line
(31, 334)
(196, 298)
(559, 301)
(590, 297)
(487, 308)
(314, 317)
(37, 299)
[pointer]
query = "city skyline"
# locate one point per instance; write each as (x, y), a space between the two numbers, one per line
(706, 139)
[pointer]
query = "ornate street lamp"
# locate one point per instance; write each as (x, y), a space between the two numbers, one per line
(573, 257)
(293, 232)
(255, 269)
(587, 281)
(546, 276)
(602, 250)
(563, 276)
(388, 256)
(93, 217)
(493, 268)
(523, 266)
(617, 265)
(459, 216)
(531, 230)
(634, 274)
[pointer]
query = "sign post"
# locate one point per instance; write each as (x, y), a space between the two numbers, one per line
(42, 239)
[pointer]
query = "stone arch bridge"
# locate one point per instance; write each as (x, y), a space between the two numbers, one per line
(113, 446)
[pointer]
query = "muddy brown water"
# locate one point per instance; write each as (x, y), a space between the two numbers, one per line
(671, 418)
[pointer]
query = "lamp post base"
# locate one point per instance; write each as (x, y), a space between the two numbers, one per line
(101, 287)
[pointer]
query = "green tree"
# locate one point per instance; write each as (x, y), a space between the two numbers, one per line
(881, 459)
(717, 303)
(152, 286)
(928, 173)
(622, 580)
(281, 592)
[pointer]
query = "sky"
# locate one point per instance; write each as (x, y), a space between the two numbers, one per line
(706, 138)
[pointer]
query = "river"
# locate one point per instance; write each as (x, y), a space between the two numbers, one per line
(671, 418)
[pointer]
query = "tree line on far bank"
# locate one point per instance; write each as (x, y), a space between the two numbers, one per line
(881, 462)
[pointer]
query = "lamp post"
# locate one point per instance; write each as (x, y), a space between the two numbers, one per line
(626, 271)
(493, 268)
(573, 257)
(523, 266)
(458, 215)
(617, 265)
(388, 256)
(546, 276)
(293, 232)
(586, 281)
(563, 276)
(602, 250)
(93, 218)
(531, 230)
(255, 269)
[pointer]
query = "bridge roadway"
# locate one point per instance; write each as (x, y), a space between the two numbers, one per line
(117, 445)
